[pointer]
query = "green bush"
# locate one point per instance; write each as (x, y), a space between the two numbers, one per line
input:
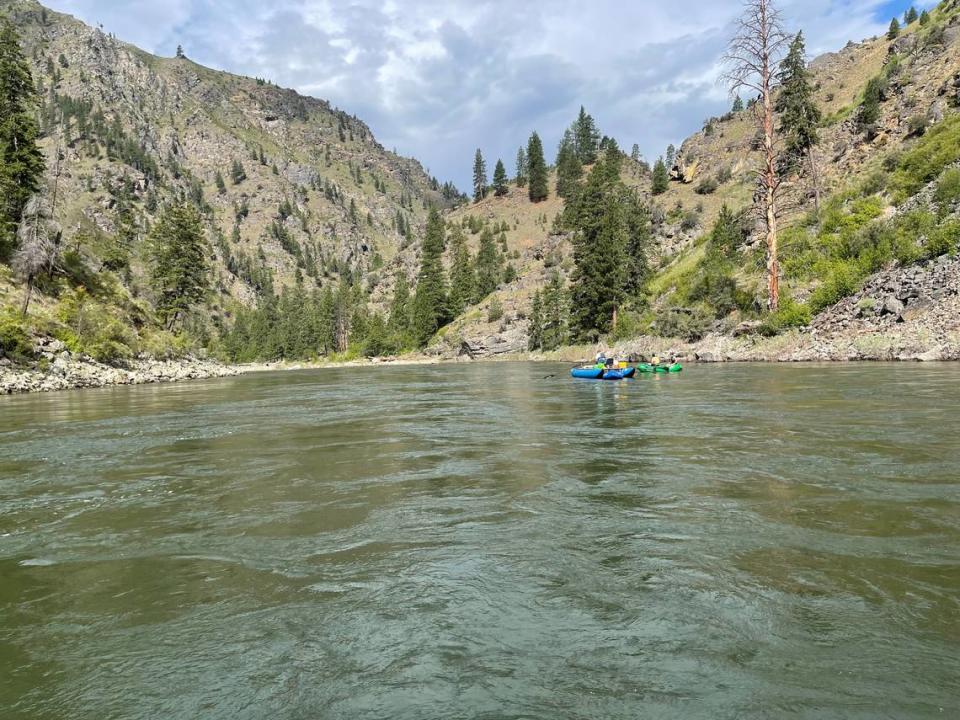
(715, 287)
(495, 311)
(842, 278)
(91, 327)
(944, 239)
(707, 186)
(686, 323)
(937, 149)
(790, 314)
(14, 336)
(690, 221)
(875, 183)
(948, 190)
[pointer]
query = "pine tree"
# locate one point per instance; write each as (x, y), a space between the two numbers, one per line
(671, 156)
(869, 111)
(910, 16)
(400, 323)
(237, 172)
(586, 138)
(894, 30)
(924, 18)
(479, 177)
(521, 178)
(554, 313)
(600, 242)
(536, 170)
(661, 178)
(635, 153)
(737, 104)
(179, 254)
(489, 265)
(21, 160)
(535, 328)
(462, 276)
(500, 179)
(180, 53)
(727, 234)
(430, 311)
(799, 115)
(221, 185)
(569, 169)
(637, 218)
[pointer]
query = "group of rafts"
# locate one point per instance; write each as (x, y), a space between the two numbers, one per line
(609, 369)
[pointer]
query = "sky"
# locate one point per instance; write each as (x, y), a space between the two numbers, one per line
(436, 79)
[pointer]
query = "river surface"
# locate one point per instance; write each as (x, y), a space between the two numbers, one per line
(485, 541)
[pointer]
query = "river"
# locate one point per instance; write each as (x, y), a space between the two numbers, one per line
(489, 540)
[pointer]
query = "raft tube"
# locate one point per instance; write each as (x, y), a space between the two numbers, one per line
(592, 373)
(647, 368)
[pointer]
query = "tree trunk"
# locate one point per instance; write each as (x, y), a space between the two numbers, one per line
(770, 181)
(27, 295)
(815, 178)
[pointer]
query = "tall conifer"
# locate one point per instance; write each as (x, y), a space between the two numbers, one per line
(479, 177)
(430, 311)
(21, 161)
(536, 169)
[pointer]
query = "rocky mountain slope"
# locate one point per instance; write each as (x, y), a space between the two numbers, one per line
(290, 186)
(920, 74)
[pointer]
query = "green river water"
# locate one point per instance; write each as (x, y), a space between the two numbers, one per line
(485, 541)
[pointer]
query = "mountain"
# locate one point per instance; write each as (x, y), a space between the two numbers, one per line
(288, 186)
(875, 182)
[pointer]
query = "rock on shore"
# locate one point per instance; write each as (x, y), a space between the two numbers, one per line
(61, 370)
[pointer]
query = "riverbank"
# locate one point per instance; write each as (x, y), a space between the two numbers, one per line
(62, 370)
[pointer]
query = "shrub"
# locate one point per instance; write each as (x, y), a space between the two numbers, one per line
(917, 125)
(690, 221)
(937, 149)
(707, 186)
(790, 314)
(948, 190)
(875, 183)
(943, 239)
(90, 327)
(14, 336)
(689, 324)
(495, 312)
(842, 278)
(725, 175)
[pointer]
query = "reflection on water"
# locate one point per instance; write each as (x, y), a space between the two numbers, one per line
(491, 540)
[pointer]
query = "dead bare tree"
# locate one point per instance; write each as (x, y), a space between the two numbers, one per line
(751, 60)
(39, 245)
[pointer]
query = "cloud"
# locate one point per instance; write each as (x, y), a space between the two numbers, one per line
(438, 78)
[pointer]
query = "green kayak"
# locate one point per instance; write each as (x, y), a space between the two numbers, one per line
(648, 368)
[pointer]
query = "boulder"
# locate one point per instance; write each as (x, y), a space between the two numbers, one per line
(892, 306)
(708, 356)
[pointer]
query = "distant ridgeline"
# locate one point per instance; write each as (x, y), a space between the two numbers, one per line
(153, 206)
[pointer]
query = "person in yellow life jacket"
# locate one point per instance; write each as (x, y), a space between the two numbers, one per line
(655, 361)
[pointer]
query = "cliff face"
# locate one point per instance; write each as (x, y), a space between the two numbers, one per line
(306, 189)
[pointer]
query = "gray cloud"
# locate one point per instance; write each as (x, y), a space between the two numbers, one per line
(438, 78)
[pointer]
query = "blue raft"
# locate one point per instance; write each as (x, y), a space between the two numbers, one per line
(593, 373)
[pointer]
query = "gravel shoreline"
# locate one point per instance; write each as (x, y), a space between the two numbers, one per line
(65, 371)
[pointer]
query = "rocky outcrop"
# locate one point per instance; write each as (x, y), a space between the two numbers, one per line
(59, 369)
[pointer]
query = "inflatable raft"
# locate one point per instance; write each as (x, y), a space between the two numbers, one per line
(593, 373)
(648, 368)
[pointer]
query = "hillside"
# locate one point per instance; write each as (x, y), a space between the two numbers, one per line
(289, 187)
(920, 73)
